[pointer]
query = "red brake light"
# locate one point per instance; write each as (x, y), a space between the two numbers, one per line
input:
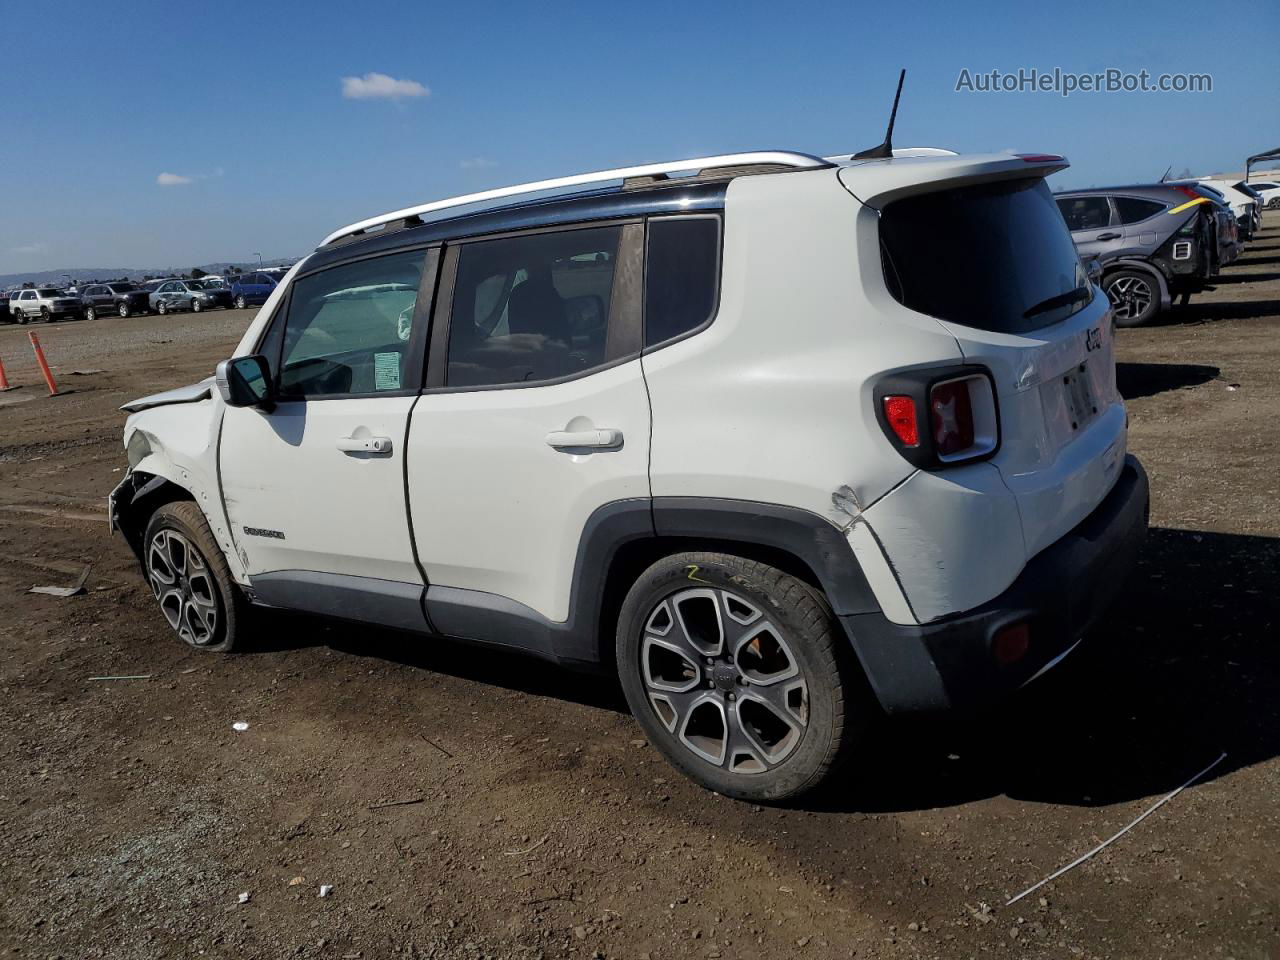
(1188, 191)
(1011, 643)
(900, 412)
(951, 412)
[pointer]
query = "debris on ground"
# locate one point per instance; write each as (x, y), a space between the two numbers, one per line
(326, 889)
(240, 726)
(74, 590)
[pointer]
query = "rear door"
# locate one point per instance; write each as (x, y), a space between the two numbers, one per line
(1093, 226)
(315, 488)
(535, 415)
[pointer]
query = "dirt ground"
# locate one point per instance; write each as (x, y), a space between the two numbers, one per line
(132, 815)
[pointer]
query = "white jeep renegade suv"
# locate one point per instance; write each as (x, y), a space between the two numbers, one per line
(780, 441)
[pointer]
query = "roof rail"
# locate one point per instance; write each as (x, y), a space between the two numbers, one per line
(774, 157)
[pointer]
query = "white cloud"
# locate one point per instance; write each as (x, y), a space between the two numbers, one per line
(172, 180)
(38, 247)
(477, 163)
(379, 86)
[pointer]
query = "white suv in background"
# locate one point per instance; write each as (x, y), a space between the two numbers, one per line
(780, 440)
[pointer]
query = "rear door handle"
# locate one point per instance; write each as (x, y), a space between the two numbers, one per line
(1109, 236)
(364, 444)
(562, 439)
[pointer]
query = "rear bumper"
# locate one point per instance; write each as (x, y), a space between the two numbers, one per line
(1060, 594)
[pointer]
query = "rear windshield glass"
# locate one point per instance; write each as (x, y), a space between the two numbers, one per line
(50, 292)
(994, 256)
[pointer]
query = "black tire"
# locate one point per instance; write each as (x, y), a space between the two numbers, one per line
(827, 700)
(45, 315)
(90, 313)
(123, 310)
(1273, 203)
(240, 302)
(1134, 295)
(196, 306)
(206, 585)
(162, 308)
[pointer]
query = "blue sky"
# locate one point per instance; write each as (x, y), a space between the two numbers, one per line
(246, 102)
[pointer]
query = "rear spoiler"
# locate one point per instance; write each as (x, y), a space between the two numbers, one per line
(878, 182)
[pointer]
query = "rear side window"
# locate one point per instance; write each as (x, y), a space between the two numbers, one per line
(1085, 213)
(532, 308)
(348, 329)
(1135, 210)
(992, 256)
(682, 268)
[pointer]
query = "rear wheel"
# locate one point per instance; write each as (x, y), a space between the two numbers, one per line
(162, 308)
(1135, 298)
(190, 579)
(90, 313)
(1273, 203)
(123, 309)
(738, 676)
(45, 315)
(196, 306)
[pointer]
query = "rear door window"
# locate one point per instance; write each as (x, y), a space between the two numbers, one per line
(682, 268)
(1135, 209)
(532, 308)
(992, 256)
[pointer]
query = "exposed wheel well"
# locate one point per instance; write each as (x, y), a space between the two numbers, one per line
(150, 493)
(635, 557)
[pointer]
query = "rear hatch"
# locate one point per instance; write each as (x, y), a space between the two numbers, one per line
(983, 248)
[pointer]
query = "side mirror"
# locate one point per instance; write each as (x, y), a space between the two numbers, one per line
(244, 382)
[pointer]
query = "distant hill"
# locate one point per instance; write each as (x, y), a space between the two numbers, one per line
(58, 278)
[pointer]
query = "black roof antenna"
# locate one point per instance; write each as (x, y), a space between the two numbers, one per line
(885, 149)
(1165, 176)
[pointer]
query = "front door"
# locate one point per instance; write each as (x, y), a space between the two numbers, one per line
(316, 486)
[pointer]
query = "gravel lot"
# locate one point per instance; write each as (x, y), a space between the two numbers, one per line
(132, 815)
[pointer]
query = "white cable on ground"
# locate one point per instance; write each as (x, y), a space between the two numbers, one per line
(1075, 863)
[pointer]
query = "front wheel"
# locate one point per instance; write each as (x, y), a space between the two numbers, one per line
(240, 302)
(196, 306)
(1134, 296)
(45, 315)
(90, 313)
(123, 310)
(738, 675)
(190, 579)
(162, 308)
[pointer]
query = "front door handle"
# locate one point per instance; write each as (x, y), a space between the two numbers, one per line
(1109, 236)
(364, 444)
(566, 439)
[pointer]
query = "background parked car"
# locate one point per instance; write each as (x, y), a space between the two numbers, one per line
(187, 295)
(1153, 242)
(1270, 191)
(1242, 205)
(122, 299)
(252, 289)
(44, 303)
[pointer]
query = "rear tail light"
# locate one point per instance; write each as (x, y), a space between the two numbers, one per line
(900, 412)
(939, 418)
(1188, 192)
(1011, 643)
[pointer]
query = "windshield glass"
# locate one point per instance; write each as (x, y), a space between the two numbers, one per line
(122, 287)
(993, 256)
(50, 292)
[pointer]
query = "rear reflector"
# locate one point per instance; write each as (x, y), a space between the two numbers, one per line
(900, 412)
(952, 415)
(1010, 644)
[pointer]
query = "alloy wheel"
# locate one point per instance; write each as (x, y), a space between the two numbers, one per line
(182, 582)
(240, 304)
(90, 313)
(1130, 296)
(721, 677)
(124, 310)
